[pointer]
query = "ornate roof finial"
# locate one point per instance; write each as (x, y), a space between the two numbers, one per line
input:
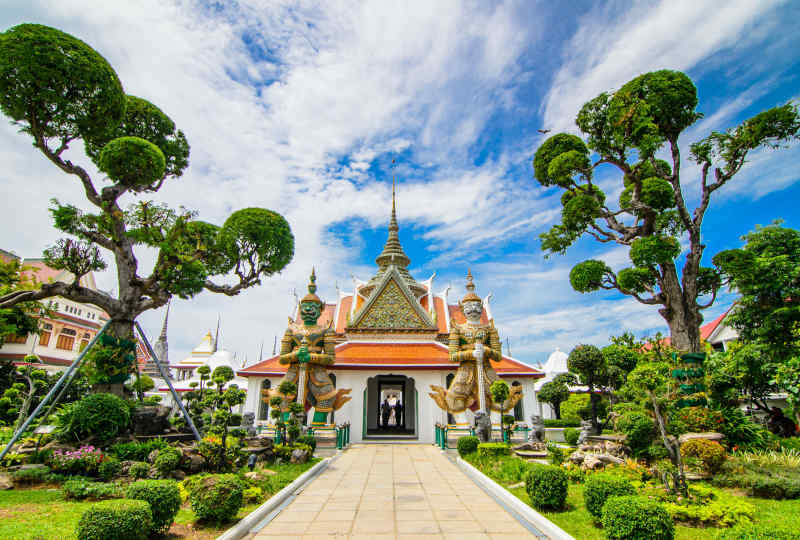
(393, 253)
(312, 289)
(470, 296)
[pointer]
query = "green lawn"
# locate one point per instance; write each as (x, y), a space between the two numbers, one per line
(578, 522)
(44, 514)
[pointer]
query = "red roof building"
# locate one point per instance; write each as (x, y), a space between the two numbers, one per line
(391, 335)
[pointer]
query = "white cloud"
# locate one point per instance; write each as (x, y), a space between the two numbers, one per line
(608, 50)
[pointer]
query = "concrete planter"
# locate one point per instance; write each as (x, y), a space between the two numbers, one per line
(555, 434)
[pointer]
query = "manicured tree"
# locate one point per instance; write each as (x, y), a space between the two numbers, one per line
(588, 362)
(653, 379)
(556, 391)
(222, 403)
(61, 92)
(626, 130)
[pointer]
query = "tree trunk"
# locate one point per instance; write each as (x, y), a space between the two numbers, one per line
(593, 403)
(557, 410)
(120, 328)
(680, 311)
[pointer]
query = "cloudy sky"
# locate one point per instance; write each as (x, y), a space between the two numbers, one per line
(301, 107)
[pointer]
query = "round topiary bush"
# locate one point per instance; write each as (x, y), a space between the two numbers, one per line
(636, 518)
(571, 435)
(132, 161)
(164, 499)
(217, 497)
(122, 519)
(710, 453)
(467, 445)
(167, 461)
(600, 487)
(99, 415)
(547, 486)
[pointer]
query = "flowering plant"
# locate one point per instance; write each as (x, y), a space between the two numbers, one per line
(84, 460)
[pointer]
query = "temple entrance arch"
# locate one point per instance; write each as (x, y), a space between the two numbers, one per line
(383, 417)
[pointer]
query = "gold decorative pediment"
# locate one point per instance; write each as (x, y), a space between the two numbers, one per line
(391, 307)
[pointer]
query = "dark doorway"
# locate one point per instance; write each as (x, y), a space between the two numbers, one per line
(391, 407)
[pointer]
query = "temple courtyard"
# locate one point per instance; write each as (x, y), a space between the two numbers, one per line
(387, 491)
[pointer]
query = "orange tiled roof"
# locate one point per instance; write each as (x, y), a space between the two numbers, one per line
(428, 355)
(456, 315)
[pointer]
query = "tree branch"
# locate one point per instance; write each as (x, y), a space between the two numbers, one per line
(72, 291)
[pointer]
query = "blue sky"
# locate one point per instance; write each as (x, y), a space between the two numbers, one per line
(302, 106)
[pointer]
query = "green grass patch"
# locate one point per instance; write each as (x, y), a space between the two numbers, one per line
(577, 521)
(44, 514)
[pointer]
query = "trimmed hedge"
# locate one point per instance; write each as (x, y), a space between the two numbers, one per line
(599, 487)
(546, 486)
(103, 416)
(164, 499)
(217, 497)
(468, 445)
(491, 449)
(571, 435)
(757, 532)
(123, 519)
(561, 423)
(636, 518)
(710, 453)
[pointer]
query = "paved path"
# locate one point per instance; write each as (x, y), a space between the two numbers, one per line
(398, 491)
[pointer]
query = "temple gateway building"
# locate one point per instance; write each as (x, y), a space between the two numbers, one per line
(391, 341)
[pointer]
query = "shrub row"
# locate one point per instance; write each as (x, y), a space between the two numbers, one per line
(494, 449)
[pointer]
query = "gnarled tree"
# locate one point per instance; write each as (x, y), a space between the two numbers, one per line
(59, 91)
(628, 130)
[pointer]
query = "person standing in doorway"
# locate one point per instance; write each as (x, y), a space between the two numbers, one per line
(386, 411)
(398, 412)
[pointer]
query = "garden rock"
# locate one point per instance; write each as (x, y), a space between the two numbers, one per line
(150, 420)
(178, 475)
(709, 436)
(592, 462)
(194, 463)
(5, 482)
(125, 467)
(299, 456)
(29, 466)
(257, 476)
(152, 456)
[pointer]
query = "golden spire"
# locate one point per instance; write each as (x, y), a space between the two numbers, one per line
(470, 296)
(393, 253)
(312, 288)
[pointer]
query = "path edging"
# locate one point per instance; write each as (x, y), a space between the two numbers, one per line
(547, 527)
(244, 526)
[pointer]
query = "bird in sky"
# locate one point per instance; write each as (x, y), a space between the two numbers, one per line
(544, 131)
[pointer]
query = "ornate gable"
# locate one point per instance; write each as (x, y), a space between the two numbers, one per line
(392, 306)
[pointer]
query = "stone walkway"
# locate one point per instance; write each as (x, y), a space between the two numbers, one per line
(393, 491)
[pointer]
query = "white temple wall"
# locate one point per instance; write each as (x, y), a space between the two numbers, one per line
(428, 413)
